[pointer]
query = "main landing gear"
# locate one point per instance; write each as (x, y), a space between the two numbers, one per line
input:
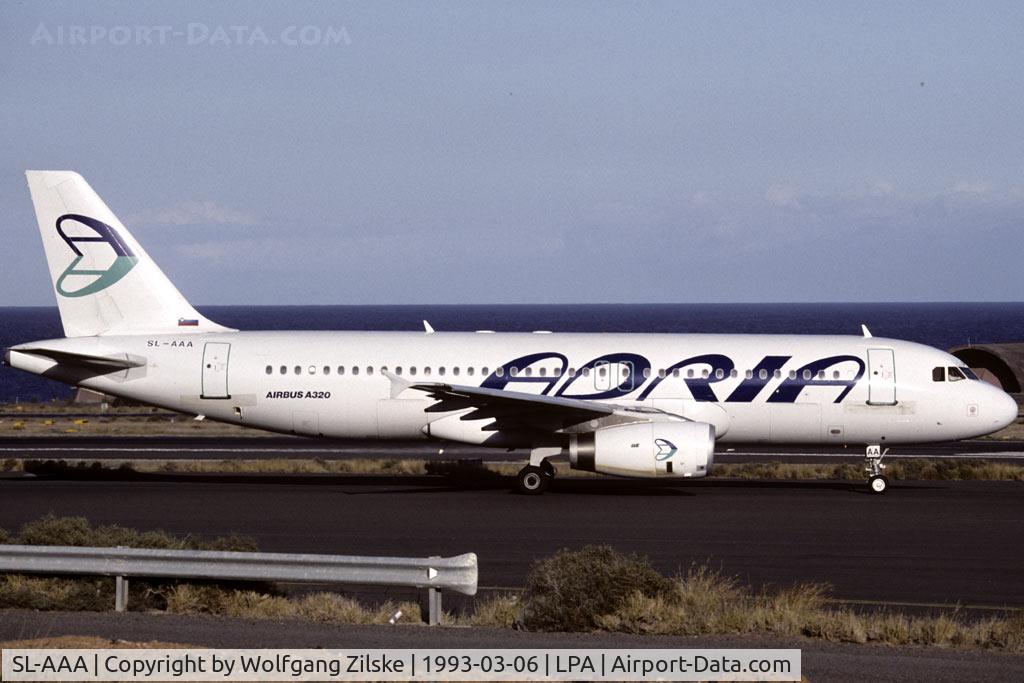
(877, 482)
(535, 477)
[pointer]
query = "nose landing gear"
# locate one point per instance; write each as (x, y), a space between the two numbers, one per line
(873, 455)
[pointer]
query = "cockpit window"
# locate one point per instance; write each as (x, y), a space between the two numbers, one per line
(939, 374)
(955, 375)
(970, 373)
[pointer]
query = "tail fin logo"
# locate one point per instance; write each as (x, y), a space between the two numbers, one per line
(124, 260)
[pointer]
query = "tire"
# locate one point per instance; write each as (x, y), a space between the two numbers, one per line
(878, 484)
(532, 480)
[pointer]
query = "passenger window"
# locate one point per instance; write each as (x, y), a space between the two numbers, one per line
(543, 372)
(341, 369)
(705, 373)
(298, 370)
(807, 374)
(270, 369)
(284, 370)
(954, 374)
(514, 371)
(647, 373)
(748, 374)
(440, 371)
(572, 372)
(412, 370)
(719, 373)
(835, 374)
(821, 374)
(327, 369)
(661, 373)
(689, 373)
(529, 372)
(455, 371)
(586, 372)
(398, 370)
(675, 373)
(369, 369)
(500, 372)
(470, 371)
(602, 372)
(426, 371)
(312, 369)
(778, 374)
(355, 369)
(762, 374)
(734, 373)
(483, 371)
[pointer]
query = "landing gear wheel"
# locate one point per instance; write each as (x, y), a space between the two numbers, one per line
(532, 480)
(878, 484)
(549, 469)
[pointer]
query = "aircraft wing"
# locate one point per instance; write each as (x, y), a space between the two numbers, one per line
(512, 410)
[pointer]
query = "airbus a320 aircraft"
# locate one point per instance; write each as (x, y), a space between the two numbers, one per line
(639, 405)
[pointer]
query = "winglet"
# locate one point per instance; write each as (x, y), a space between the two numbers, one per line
(427, 328)
(864, 329)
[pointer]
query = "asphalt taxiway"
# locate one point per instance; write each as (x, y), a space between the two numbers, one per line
(921, 544)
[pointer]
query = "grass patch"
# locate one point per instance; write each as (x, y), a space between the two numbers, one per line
(320, 607)
(77, 531)
(921, 469)
(97, 593)
(702, 601)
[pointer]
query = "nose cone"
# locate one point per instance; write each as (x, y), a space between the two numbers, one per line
(1005, 410)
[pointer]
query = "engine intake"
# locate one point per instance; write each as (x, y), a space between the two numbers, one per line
(646, 449)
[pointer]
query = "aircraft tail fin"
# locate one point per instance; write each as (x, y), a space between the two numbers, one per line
(104, 280)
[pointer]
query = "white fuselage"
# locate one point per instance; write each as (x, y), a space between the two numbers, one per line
(752, 388)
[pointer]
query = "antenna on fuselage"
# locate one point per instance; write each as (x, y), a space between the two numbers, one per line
(427, 328)
(864, 329)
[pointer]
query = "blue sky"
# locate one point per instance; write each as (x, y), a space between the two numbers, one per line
(530, 152)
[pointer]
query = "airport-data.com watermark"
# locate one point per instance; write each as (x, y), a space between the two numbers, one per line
(193, 34)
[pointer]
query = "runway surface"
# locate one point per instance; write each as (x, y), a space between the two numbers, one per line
(277, 447)
(923, 543)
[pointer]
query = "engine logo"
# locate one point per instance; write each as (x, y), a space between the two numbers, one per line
(666, 449)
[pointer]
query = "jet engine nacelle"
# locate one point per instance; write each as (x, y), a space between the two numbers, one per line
(646, 449)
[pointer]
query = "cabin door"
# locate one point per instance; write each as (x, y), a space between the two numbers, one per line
(881, 377)
(215, 370)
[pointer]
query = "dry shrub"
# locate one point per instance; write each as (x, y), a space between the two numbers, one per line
(247, 604)
(788, 610)
(573, 589)
(937, 630)
(189, 598)
(77, 531)
(5, 537)
(18, 591)
(500, 611)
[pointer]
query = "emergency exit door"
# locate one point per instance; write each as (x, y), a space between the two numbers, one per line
(215, 370)
(881, 377)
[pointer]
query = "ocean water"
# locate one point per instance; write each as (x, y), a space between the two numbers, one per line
(942, 325)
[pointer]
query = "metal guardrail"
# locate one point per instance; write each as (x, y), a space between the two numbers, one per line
(435, 574)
